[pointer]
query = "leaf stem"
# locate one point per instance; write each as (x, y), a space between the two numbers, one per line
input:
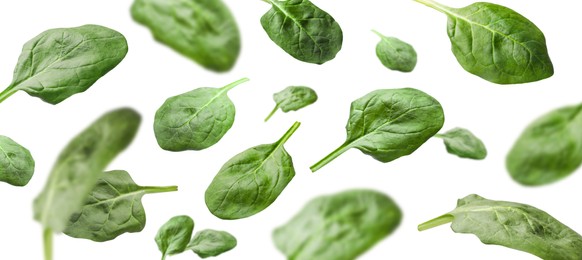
(377, 33)
(439, 136)
(434, 5)
(435, 222)
(155, 189)
(289, 133)
(234, 84)
(330, 157)
(272, 113)
(47, 237)
(9, 91)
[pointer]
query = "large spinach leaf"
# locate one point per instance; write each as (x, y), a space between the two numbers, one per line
(202, 30)
(512, 225)
(389, 123)
(196, 119)
(496, 43)
(341, 226)
(395, 54)
(549, 149)
(293, 98)
(303, 30)
(59, 63)
(112, 208)
(16, 162)
(250, 181)
(463, 143)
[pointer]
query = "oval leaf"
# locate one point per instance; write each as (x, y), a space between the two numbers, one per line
(463, 143)
(16, 163)
(208, 242)
(173, 237)
(292, 99)
(395, 54)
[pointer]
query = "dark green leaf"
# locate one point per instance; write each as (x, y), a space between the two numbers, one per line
(395, 54)
(16, 163)
(549, 149)
(59, 63)
(195, 120)
(250, 181)
(341, 226)
(210, 242)
(512, 225)
(173, 237)
(303, 30)
(389, 123)
(496, 43)
(202, 30)
(461, 142)
(112, 208)
(293, 98)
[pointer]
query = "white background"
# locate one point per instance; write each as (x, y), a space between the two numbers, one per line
(425, 184)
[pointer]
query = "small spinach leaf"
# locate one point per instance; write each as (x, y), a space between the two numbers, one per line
(389, 123)
(512, 225)
(173, 237)
(196, 119)
(202, 30)
(303, 30)
(112, 208)
(293, 98)
(463, 143)
(549, 149)
(16, 162)
(395, 54)
(210, 242)
(341, 226)
(496, 43)
(250, 181)
(59, 63)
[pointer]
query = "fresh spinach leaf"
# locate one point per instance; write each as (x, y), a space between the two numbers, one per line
(293, 98)
(496, 43)
(549, 149)
(59, 63)
(202, 30)
(250, 181)
(341, 226)
(395, 54)
(173, 237)
(112, 208)
(210, 242)
(16, 162)
(389, 123)
(512, 225)
(463, 143)
(303, 30)
(79, 167)
(196, 119)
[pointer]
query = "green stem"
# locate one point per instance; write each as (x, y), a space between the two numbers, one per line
(439, 136)
(154, 189)
(337, 152)
(434, 5)
(435, 222)
(377, 33)
(234, 84)
(272, 112)
(9, 91)
(47, 237)
(289, 133)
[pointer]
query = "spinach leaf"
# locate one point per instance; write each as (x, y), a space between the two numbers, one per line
(339, 226)
(196, 119)
(79, 167)
(395, 54)
(173, 237)
(16, 163)
(293, 98)
(202, 30)
(112, 208)
(250, 181)
(463, 143)
(303, 30)
(512, 225)
(59, 63)
(210, 242)
(496, 43)
(549, 149)
(389, 123)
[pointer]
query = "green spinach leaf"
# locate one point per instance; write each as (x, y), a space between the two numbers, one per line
(395, 54)
(293, 98)
(463, 143)
(202, 30)
(549, 149)
(16, 163)
(196, 119)
(341, 226)
(389, 123)
(250, 181)
(210, 242)
(512, 225)
(496, 43)
(173, 237)
(112, 208)
(303, 30)
(59, 63)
